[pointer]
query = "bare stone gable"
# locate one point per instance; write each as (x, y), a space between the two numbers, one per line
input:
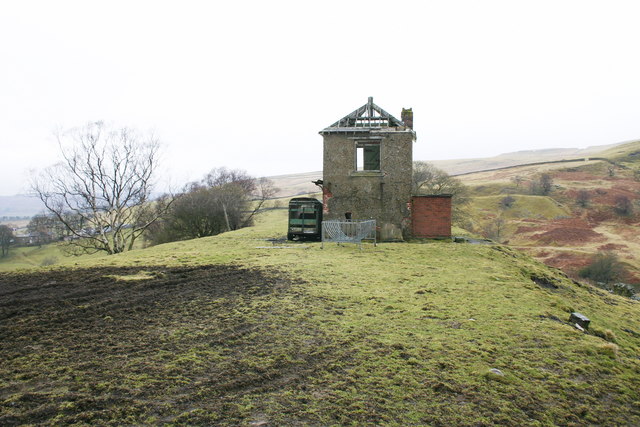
(367, 168)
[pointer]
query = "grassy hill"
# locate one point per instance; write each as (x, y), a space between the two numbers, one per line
(463, 166)
(558, 229)
(623, 153)
(233, 330)
(296, 184)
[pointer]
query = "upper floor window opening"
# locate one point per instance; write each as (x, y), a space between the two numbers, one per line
(367, 156)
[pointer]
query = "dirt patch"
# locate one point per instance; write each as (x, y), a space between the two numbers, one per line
(608, 197)
(601, 215)
(545, 282)
(568, 262)
(526, 229)
(148, 344)
(612, 247)
(568, 236)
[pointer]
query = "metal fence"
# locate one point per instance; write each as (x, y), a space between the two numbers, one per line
(351, 231)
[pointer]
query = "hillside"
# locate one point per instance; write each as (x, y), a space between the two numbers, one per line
(296, 184)
(463, 166)
(234, 330)
(300, 184)
(552, 228)
(584, 214)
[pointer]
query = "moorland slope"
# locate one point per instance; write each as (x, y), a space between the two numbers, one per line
(593, 207)
(297, 184)
(236, 330)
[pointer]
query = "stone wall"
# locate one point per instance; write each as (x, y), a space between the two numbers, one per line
(383, 195)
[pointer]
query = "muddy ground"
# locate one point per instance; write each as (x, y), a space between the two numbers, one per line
(148, 345)
(223, 345)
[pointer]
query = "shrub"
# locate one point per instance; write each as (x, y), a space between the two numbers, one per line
(507, 202)
(583, 198)
(542, 186)
(623, 206)
(224, 200)
(623, 289)
(604, 268)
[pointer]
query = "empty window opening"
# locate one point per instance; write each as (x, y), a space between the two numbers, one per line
(367, 156)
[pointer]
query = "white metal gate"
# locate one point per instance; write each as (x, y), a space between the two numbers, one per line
(349, 231)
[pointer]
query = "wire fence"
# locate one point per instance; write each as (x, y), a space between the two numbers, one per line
(350, 231)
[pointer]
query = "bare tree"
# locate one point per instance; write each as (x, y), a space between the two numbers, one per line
(542, 186)
(517, 180)
(263, 191)
(582, 198)
(223, 200)
(494, 229)
(100, 190)
(6, 237)
(546, 183)
(231, 189)
(42, 227)
(427, 179)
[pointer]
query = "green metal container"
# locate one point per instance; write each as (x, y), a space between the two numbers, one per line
(305, 219)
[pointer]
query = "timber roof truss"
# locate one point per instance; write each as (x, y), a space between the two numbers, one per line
(369, 116)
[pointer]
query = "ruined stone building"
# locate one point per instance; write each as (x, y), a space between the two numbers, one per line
(367, 170)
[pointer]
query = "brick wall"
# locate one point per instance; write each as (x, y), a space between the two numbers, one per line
(431, 216)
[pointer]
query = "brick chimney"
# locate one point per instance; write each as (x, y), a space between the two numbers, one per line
(407, 117)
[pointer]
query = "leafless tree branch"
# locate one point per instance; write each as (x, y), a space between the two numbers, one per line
(101, 189)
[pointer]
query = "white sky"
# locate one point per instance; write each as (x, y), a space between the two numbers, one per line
(248, 84)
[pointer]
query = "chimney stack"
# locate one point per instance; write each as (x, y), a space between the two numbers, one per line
(407, 117)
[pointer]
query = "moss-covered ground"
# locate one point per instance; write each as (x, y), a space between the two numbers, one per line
(237, 330)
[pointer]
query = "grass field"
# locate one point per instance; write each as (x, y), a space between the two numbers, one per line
(28, 257)
(232, 330)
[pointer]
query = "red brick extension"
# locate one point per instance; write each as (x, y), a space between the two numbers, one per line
(431, 216)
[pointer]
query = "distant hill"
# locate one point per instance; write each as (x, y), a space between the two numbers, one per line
(462, 166)
(296, 184)
(299, 184)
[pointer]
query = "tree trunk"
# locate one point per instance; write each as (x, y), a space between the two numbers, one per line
(226, 217)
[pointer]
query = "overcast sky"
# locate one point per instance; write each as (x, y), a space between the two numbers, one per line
(248, 84)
